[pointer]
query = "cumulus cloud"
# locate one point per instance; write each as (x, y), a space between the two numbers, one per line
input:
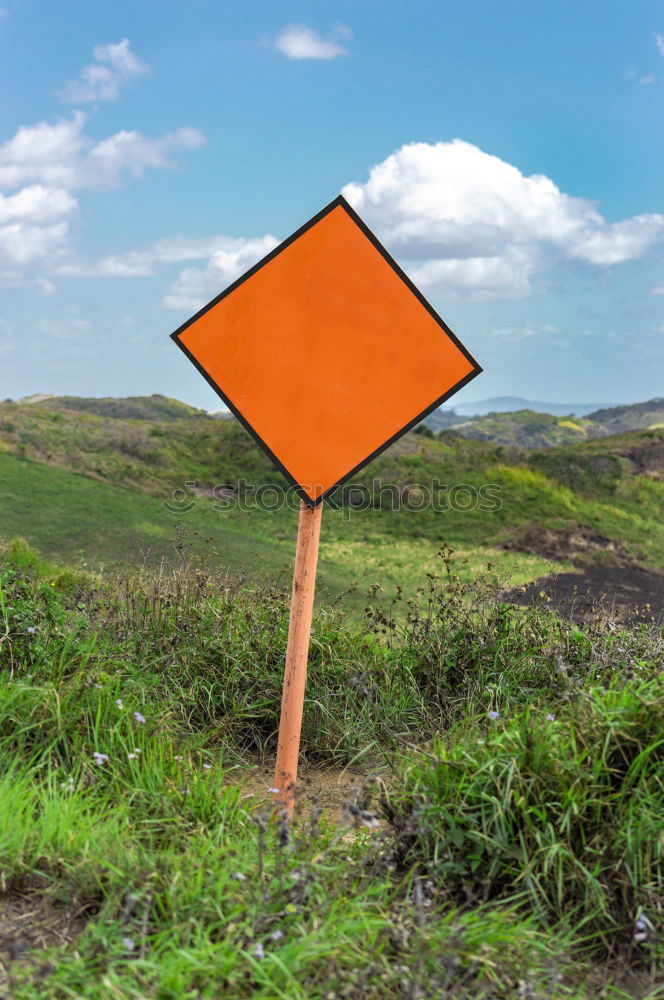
(61, 154)
(40, 165)
(659, 42)
(463, 220)
(23, 243)
(297, 41)
(101, 80)
(196, 286)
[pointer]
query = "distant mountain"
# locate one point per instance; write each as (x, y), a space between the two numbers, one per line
(510, 404)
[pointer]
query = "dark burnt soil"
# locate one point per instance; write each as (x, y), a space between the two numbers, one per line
(576, 543)
(627, 593)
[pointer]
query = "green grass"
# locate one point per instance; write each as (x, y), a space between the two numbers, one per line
(82, 521)
(192, 889)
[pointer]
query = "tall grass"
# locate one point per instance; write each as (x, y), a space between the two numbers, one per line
(131, 706)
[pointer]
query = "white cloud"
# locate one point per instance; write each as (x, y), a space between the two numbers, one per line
(460, 219)
(23, 243)
(42, 164)
(659, 42)
(102, 79)
(62, 155)
(650, 78)
(33, 224)
(36, 203)
(297, 41)
(140, 263)
(196, 286)
(657, 290)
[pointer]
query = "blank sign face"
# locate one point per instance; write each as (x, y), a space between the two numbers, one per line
(326, 351)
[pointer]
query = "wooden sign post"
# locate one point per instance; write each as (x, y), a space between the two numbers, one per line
(326, 353)
(297, 652)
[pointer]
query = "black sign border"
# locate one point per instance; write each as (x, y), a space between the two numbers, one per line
(338, 202)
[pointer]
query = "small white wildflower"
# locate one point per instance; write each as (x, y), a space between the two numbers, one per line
(207, 767)
(139, 718)
(118, 702)
(240, 877)
(274, 791)
(137, 749)
(550, 717)
(100, 758)
(132, 756)
(259, 951)
(128, 943)
(277, 935)
(178, 757)
(494, 715)
(31, 629)
(99, 687)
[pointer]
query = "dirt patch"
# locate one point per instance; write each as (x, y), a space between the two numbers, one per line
(30, 922)
(577, 543)
(338, 793)
(628, 593)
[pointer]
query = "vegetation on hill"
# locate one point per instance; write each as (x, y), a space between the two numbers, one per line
(505, 841)
(617, 419)
(100, 489)
(153, 407)
(530, 428)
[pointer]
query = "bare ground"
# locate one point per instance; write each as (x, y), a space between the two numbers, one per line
(606, 576)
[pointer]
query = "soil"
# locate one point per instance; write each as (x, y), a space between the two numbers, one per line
(31, 921)
(338, 793)
(577, 544)
(627, 593)
(607, 578)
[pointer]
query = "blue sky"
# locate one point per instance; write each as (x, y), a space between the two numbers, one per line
(509, 154)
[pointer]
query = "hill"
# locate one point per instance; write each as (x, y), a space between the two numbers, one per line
(617, 419)
(153, 407)
(93, 488)
(529, 429)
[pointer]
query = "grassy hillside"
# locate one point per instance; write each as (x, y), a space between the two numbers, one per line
(529, 429)
(84, 522)
(105, 479)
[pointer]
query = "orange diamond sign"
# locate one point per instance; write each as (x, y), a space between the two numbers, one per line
(326, 351)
